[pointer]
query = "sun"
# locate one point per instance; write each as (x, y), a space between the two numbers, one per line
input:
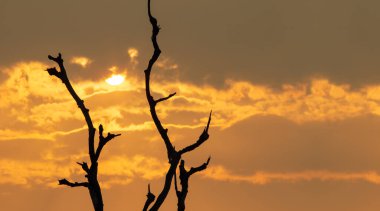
(115, 80)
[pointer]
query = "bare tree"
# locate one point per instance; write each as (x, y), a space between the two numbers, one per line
(92, 183)
(174, 156)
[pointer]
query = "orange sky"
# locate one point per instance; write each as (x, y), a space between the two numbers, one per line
(296, 131)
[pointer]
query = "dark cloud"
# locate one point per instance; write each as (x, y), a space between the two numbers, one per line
(263, 41)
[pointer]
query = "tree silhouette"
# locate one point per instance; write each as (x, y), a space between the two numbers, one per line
(174, 156)
(92, 183)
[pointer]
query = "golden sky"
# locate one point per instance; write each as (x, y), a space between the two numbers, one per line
(294, 87)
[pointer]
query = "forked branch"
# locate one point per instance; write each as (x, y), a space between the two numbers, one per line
(152, 103)
(149, 199)
(92, 171)
(173, 156)
(103, 141)
(202, 138)
(184, 177)
(63, 76)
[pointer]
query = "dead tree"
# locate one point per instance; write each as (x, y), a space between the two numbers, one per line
(91, 171)
(174, 156)
(184, 177)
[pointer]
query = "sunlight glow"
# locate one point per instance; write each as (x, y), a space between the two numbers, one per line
(115, 80)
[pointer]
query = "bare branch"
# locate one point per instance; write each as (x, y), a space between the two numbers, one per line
(171, 152)
(57, 59)
(92, 171)
(63, 76)
(202, 138)
(111, 136)
(199, 168)
(151, 101)
(165, 98)
(103, 141)
(168, 180)
(184, 177)
(149, 199)
(71, 184)
(173, 156)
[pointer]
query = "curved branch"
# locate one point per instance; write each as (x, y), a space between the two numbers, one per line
(152, 103)
(63, 76)
(92, 171)
(173, 156)
(165, 98)
(202, 138)
(199, 168)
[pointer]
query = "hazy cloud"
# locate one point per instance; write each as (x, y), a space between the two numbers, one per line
(81, 61)
(28, 97)
(120, 170)
(262, 178)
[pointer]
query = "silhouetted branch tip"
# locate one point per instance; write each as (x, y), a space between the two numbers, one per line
(71, 184)
(209, 121)
(199, 168)
(150, 197)
(111, 136)
(57, 59)
(149, 192)
(165, 98)
(101, 129)
(202, 138)
(103, 140)
(84, 166)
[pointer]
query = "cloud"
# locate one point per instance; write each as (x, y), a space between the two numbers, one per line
(133, 53)
(27, 97)
(166, 63)
(138, 166)
(7, 134)
(25, 82)
(28, 173)
(317, 100)
(118, 170)
(219, 173)
(81, 61)
(122, 170)
(34, 105)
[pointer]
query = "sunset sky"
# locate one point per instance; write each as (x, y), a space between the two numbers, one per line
(294, 87)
